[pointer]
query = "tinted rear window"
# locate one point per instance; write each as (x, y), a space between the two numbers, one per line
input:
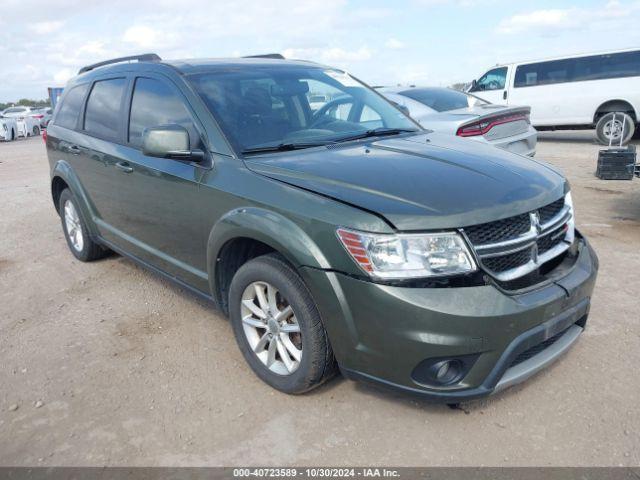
(442, 99)
(70, 107)
(103, 111)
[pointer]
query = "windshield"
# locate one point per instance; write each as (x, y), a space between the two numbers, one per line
(443, 99)
(15, 110)
(266, 106)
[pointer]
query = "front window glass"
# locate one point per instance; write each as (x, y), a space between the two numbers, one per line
(494, 79)
(272, 105)
(443, 99)
(154, 103)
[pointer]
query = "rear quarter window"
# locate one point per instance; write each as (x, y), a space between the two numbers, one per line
(104, 108)
(70, 107)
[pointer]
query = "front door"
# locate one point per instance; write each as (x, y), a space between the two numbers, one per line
(160, 217)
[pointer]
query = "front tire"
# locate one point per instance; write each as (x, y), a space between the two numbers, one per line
(75, 230)
(278, 327)
(609, 130)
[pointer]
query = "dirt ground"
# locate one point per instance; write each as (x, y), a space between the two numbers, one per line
(108, 364)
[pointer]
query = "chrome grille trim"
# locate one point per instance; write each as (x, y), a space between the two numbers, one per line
(529, 240)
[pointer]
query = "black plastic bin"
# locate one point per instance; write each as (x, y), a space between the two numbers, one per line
(617, 163)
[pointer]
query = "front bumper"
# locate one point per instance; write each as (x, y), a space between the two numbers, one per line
(382, 333)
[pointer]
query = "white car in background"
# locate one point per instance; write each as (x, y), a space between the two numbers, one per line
(458, 113)
(43, 114)
(28, 126)
(18, 111)
(8, 129)
(28, 119)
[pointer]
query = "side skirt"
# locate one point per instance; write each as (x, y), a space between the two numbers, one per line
(198, 293)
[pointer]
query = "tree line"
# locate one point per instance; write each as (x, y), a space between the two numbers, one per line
(26, 102)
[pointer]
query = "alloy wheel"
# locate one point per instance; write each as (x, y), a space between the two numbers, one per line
(271, 328)
(74, 228)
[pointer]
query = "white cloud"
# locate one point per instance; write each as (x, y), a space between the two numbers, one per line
(394, 44)
(612, 16)
(331, 55)
(44, 28)
(141, 36)
(537, 19)
(62, 76)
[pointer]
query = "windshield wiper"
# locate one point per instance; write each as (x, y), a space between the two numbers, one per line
(283, 147)
(376, 132)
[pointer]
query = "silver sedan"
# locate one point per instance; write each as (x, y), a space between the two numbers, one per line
(450, 111)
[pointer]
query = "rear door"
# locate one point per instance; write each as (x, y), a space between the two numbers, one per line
(98, 149)
(160, 219)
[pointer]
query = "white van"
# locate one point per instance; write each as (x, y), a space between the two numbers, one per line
(573, 92)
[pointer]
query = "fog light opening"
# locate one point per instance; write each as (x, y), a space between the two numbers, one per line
(446, 371)
(442, 372)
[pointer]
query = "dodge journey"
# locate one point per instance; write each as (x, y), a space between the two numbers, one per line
(337, 237)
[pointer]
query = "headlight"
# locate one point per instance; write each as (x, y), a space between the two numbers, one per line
(408, 255)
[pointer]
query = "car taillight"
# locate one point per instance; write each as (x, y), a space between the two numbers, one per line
(44, 135)
(483, 126)
(38, 116)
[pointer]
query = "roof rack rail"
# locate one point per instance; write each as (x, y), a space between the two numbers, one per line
(276, 56)
(146, 57)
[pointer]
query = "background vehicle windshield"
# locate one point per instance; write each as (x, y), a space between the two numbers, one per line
(269, 106)
(15, 110)
(443, 99)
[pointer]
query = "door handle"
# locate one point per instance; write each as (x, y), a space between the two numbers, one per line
(124, 167)
(74, 149)
(504, 95)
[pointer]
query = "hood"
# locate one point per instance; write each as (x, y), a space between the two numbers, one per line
(420, 182)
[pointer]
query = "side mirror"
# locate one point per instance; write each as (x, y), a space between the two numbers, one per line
(474, 84)
(169, 141)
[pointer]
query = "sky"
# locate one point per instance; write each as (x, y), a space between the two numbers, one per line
(422, 42)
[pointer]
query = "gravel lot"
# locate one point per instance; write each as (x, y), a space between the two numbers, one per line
(108, 364)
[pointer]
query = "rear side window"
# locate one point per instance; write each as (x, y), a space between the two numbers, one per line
(70, 107)
(596, 67)
(103, 113)
(545, 73)
(155, 103)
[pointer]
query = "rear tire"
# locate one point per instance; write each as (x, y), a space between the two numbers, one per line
(295, 359)
(36, 130)
(607, 129)
(75, 229)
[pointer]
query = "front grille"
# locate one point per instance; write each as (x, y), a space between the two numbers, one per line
(549, 241)
(508, 262)
(499, 230)
(536, 349)
(549, 211)
(517, 246)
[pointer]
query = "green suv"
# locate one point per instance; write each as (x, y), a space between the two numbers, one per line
(338, 236)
